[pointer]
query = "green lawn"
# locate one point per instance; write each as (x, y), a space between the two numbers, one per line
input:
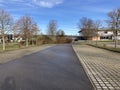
(106, 47)
(10, 46)
(13, 46)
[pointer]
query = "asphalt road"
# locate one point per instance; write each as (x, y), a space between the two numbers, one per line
(55, 68)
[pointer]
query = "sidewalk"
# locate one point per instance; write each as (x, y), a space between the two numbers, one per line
(102, 66)
(11, 55)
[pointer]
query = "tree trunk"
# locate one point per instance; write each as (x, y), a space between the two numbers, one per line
(26, 42)
(3, 38)
(115, 41)
(96, 42)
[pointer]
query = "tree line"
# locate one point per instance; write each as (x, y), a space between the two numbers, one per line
(27, 29)
(24, 27)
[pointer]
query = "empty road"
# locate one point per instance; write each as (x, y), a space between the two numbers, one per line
(55, 68)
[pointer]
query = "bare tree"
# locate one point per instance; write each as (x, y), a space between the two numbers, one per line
(86, 27)
(26, 27)
(60, 37)
(35, 29)
(34, 32)
(15, 31)
(52, 27)
(97, 25)
(114, 22)
(5, 24)
(60, 33)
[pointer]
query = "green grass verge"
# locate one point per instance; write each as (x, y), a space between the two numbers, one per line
(14, 46)
(106, 48)
(105, 41)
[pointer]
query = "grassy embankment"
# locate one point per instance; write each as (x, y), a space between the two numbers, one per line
(108, 45)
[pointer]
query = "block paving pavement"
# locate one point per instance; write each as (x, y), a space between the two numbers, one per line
(101, 66)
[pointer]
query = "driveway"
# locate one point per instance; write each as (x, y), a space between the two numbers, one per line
(55, 68)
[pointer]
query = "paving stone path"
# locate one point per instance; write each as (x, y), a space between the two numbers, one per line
(102, 66)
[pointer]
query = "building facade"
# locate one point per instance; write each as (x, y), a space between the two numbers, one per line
(103, 34)
(108, 34)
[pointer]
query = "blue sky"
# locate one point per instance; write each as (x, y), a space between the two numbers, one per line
(66, 12)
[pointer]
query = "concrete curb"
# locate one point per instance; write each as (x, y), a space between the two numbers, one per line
(84, 68)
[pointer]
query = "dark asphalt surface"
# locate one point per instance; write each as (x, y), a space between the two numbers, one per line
(55, 68)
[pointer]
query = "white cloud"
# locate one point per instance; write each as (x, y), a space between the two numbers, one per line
(47, 3)
(42, 3)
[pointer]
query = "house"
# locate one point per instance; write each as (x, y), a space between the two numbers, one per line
(89, 34)
(11, 38)
(107, 34)
(103, 34)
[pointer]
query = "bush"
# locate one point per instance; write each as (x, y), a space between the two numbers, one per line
(45, 39)
(68, 40)
(62, 40)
